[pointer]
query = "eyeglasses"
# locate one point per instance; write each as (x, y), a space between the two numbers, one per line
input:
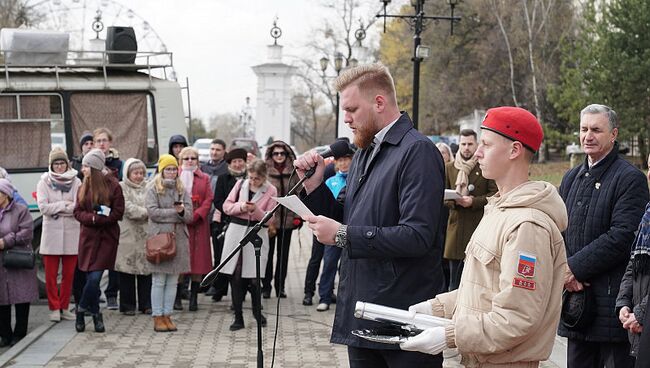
(59, 163)
(279, 153)
(170, 169)
(189, 158)
(103, 140)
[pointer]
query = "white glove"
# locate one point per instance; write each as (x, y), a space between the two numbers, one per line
(430, 341)
(422, 308)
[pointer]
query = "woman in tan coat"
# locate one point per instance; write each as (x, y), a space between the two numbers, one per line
(56, 195)
(131, 262)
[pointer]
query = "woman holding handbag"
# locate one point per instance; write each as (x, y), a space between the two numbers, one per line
(197, 187)
(130, 261)
(56, 196)
(169, 209)
(100, 205)
(19, 286)
(246, 204)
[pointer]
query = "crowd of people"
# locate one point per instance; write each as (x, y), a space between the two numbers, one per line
(461, 234)
(99, 212)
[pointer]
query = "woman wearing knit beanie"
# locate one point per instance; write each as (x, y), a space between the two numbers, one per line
(56, 195)
(169, 209)
(19, 285)
(100, 205)
(131, 261)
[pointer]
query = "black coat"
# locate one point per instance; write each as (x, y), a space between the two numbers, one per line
(393, 217)
(224, 185)
(604, 204)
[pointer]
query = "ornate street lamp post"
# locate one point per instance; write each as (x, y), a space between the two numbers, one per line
(418, 22)
(338, 66)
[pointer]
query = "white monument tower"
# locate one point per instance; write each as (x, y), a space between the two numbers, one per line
(273, 112)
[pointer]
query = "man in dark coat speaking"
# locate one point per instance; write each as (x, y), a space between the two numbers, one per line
(389, 225)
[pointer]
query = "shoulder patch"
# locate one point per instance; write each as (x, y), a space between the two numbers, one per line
(523, 283)
(526, 265)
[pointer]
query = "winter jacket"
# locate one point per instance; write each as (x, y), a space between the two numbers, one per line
(60, 231)
(177, 138)
(510, 295)
(462, 221)
(236, 230)
(164, 218)
(635, 288)
(605, 204)
(114, 164)
(131, 255)
(392, 210)
(280, 181)
(16, 230)
(199, 227)
(99, 235)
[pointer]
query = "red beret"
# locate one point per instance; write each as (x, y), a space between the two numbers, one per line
(516, 124)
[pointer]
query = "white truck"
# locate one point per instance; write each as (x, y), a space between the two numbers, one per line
(43, 104)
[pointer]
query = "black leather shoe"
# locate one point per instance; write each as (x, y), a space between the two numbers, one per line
(4, 342)
(238, 323)
(266, 294)
(217, 297)
(307, 300)
(80, 322)
(281, 294)
(178, 304)
(211, 291)
(98, 321)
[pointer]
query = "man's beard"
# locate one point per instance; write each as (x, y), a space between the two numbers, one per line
(366, 133)
(465, 157)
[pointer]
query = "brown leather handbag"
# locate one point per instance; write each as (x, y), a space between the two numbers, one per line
(161, 247)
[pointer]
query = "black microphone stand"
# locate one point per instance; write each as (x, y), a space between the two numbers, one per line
(252, 237)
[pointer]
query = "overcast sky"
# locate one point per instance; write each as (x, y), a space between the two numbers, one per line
(215, 43)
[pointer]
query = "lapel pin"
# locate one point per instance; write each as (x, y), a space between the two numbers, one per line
(597, 186)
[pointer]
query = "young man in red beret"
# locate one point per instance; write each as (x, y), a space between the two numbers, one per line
(508, 304)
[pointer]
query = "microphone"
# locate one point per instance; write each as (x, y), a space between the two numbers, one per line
(338, 148)
(470, 188)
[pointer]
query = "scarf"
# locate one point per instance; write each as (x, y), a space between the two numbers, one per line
(641, 246)
(237, 174)
(464, 169)
(187, 178)
(245, 187)
(62, 182)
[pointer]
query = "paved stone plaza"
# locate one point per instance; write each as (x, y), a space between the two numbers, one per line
(202, 339)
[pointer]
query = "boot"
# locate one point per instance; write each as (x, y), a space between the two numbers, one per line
(170, 325)
(159, 324)
(194, 293)
(80, 323)
(238, 323)
(98, 321)
(178, 304)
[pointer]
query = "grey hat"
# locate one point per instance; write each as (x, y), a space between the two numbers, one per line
(95, 159)
(6, 188)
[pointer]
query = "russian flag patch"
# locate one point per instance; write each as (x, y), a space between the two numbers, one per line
(526, 265)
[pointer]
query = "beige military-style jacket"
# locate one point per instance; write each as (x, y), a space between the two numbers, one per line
(508, 305)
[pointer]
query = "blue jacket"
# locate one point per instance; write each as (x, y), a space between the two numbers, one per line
(393, 217)
(336, 184)
(605, 205)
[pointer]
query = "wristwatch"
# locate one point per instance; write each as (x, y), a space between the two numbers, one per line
(341, 237)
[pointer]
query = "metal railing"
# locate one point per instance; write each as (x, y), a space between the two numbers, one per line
(84, 59)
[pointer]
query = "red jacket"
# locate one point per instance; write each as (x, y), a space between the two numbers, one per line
(199, 228)
(99, 235)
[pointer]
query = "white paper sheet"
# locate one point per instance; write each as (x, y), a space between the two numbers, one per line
(451, 194)
(294, 203)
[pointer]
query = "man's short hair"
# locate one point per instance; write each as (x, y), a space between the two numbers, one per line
(219, 141)
(468, 133)
(369, 78)
(612, 117)
(103, 130)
